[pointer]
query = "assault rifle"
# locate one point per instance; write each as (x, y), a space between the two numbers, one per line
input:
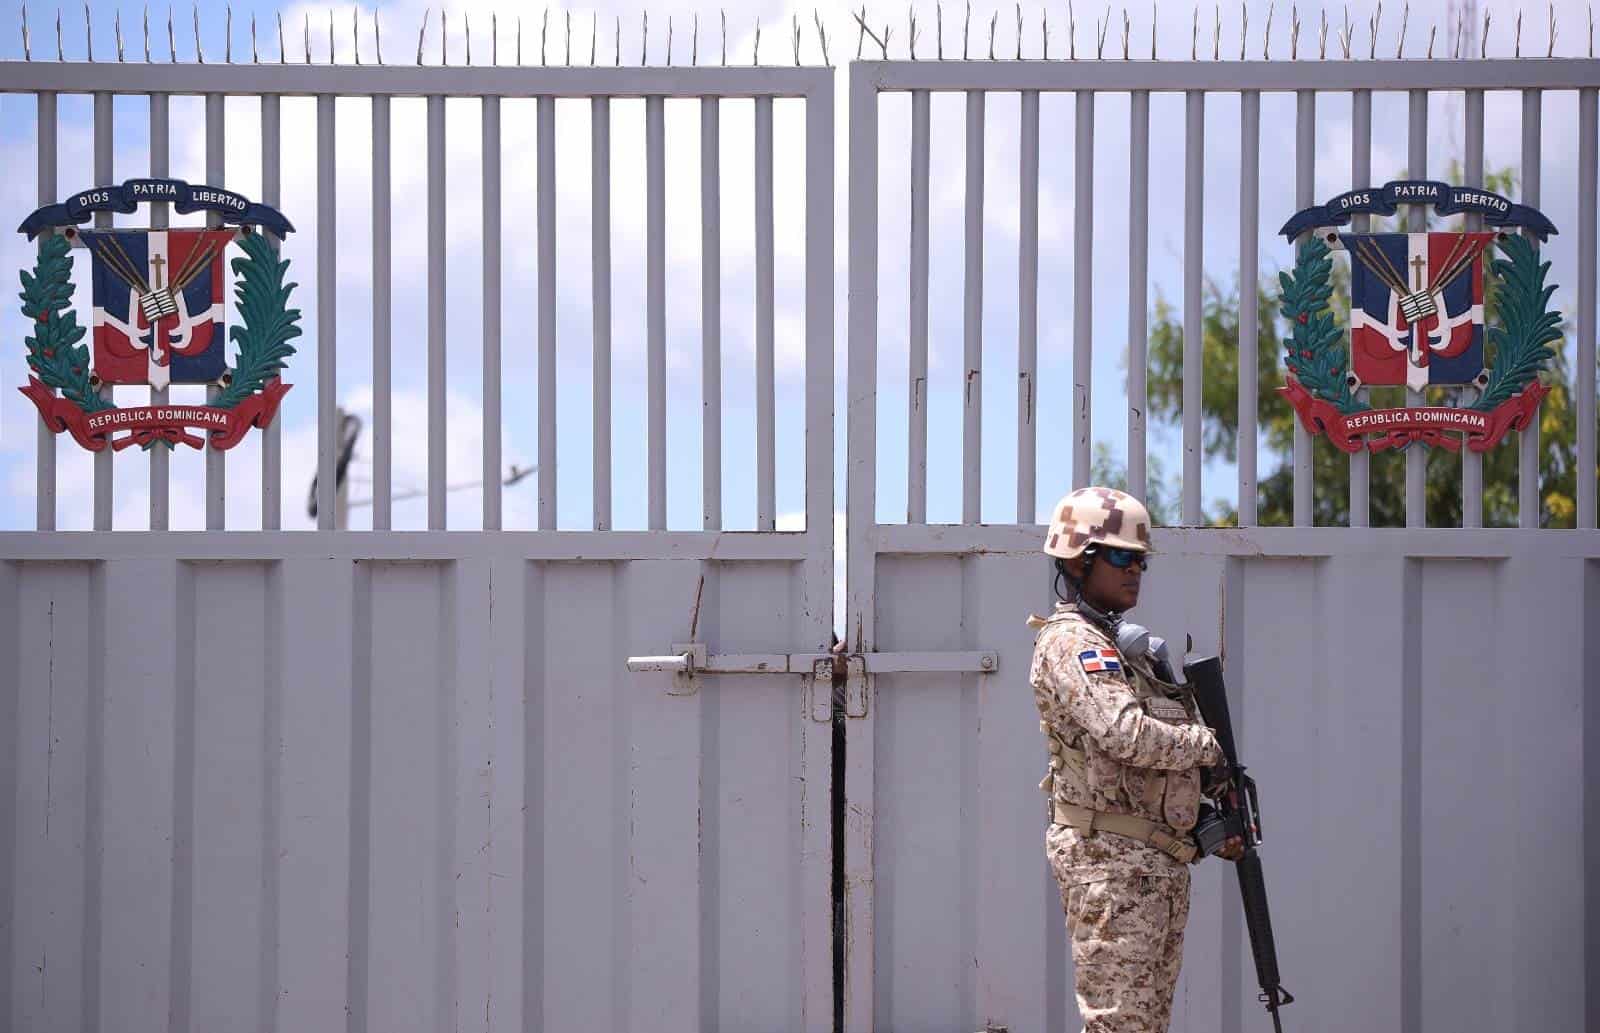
(1238, 815)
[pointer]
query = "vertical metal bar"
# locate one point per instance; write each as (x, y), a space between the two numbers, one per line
(600, 291)
(1249, 309)
(1361, 176)
(1193, 314)
(547, 312)
(1082, 286)
(382, 271)
(1417, 222)
(327, 316)
(711, 310)
(1138, 288)
(44, 518)
(491, 313)
(437, 499)
(656, 306)
(160, 168)
(272, 437)
(766, 493)
(1027, 309)
(972, 319)
(1472, 462)
(1305, 124)
(1585, 372)
(861, 501)
(102, 220)
(1530, 512)
(917, 385)
(216, 175)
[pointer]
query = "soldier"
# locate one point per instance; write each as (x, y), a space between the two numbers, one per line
(1126, 753)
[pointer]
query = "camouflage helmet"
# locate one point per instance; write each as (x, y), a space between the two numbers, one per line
(1097, 516)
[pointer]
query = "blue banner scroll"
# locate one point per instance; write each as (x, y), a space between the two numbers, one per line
(184, 198)
(1445, 199)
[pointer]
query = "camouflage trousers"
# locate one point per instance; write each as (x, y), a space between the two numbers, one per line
(1126, 931)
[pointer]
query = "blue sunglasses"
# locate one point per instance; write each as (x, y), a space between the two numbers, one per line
(1122, 559)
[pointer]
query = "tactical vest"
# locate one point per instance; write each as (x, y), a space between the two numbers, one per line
(1091, 791)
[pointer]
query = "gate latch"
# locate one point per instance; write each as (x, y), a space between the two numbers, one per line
(688, 662)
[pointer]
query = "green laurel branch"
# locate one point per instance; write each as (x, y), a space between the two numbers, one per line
(268, 324)
(1314, 352)
(1527, 326)
(54, 352)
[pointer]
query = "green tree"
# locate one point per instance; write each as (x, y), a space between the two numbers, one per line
(1331, 467)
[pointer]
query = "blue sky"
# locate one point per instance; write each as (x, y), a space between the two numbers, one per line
(400, 21)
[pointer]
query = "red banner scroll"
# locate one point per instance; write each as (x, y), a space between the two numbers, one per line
(1378, 429)
(147, 424)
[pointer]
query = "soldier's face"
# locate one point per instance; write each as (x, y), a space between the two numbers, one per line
(1111, 588)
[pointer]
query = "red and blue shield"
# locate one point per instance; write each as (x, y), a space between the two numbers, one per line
(1416, 314)
(158, 305)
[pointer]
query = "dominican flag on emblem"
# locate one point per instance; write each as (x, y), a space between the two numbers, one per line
(1095, 661)
(1416, 307)
(158, 305)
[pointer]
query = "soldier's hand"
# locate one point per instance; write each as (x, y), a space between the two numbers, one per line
(1232, 849)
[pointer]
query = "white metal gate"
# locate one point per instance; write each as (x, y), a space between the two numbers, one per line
(409, 780)
(1418, 706)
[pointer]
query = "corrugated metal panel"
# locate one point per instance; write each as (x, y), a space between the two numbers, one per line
(1415, 723)
(426, 790)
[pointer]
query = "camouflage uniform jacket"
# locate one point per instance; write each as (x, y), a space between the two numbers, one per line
(1121, 741)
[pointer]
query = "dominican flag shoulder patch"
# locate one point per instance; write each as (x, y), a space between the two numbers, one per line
(1095, 661)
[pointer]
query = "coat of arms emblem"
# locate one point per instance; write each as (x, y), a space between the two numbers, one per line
(158, 316)
(1417, 303)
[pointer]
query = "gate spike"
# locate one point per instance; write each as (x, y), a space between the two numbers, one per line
(755, 54)
(1372, 31)
(617, 45)
(994, 20)
(1244, 28)
(355, 34)
(724, 37)
(1216, 33)
(544, 34)
(1461, 31)
(1405, 19)
(822, 38)
(330, 35)
(1432, 32)
(466, 21)
(938, 31)
(1551, 52)
(1100, 34)
(61, 54)
(281, 58)
(1344, 33)
(796, 42)
(1266, 32)
(255, 53)
(1127, 33)
(118, 25)
(1483, 41)
(27, 47)
(569, 39)
(669, 41)
(199, 54)
(1517, 45)
(147, 33)
(911, 29)
(1591, 30)
(1153, 32)
(494, 38)
(444, 40)
(861, 33)
(305, 36)
(1322, 37)
(1194, 36)
(227, 37)
(1072, 31)
(1019, 33)
(172, 38)
(1294, 32)
(88, 32)
(594, 35)
(422, 34)
(1044, 26)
